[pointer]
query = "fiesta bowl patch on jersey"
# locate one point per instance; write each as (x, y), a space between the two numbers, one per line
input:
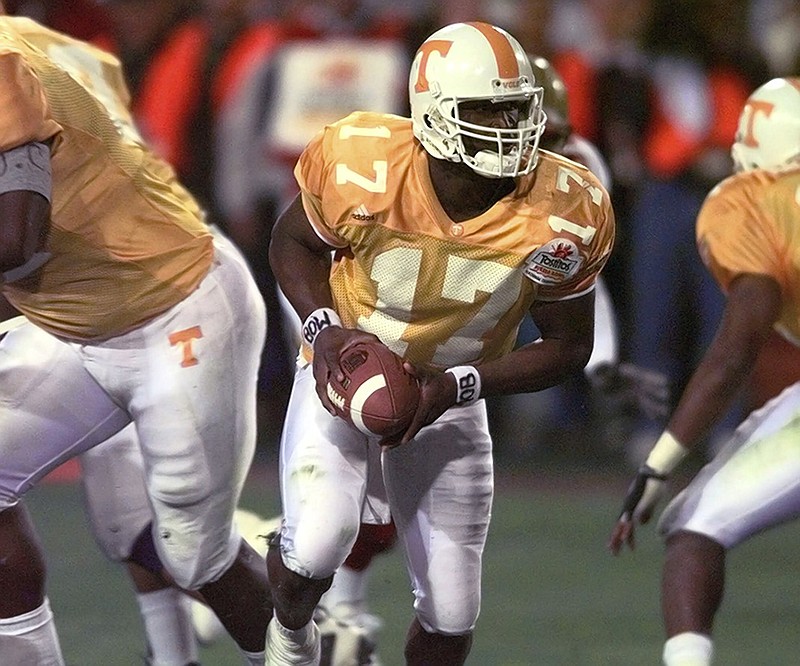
(554, 262)
(377, 396)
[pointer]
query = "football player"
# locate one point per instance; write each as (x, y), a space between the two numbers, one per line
(447, 227)
(747, 236)
(632, 387)
(174, 623)
(137, 314)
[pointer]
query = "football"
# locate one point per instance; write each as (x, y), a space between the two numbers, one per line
(377, 396)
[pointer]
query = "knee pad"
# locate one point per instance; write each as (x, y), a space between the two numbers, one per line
(316, 553)
(450, 613)
(193, 560)
(457, 623)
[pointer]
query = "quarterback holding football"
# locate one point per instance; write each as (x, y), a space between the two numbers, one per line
(433, 235)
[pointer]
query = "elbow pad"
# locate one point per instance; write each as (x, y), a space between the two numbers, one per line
(27, 167)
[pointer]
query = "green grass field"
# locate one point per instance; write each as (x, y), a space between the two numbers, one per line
(552, 594)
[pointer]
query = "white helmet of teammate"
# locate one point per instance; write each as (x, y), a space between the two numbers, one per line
(769, 126)
(469, 62)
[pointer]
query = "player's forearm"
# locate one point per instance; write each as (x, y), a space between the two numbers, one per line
(300, 262)
(25, 216)
(534, 367)
(752, 308)
(302, 276)
(710, 391)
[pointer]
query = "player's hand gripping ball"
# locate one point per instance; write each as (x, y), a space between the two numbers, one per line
(377, 396)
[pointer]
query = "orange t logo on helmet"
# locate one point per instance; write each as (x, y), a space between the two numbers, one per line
(756, 107)
(466, 62)
(507, 64)
(441, 46)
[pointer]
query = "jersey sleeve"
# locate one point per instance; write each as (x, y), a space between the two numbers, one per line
(310, 173)
(346, 164)
(584, 227)
(24, 113)
(735, 237)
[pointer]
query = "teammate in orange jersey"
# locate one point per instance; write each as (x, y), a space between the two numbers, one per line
(139, 314)
(747, 232)
(447, 228)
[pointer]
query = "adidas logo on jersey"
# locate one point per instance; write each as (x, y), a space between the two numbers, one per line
(362, 214)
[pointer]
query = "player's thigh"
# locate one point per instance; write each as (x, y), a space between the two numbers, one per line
(51, 409)
(440, 490)
(752, 484)
(194, 400)
(324, 472)
(194, 406)
(115, 494)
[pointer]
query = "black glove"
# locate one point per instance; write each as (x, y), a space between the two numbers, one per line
(644, 493)
(633, 387)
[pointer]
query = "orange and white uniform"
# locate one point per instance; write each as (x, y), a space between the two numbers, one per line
(140, 315)
(436, 292)
(750, 224)
(57, 89)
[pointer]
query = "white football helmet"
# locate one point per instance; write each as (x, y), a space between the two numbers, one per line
(769, 126)
(468, 62)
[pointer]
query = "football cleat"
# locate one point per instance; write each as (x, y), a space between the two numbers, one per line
(348, 636)
(281, 651)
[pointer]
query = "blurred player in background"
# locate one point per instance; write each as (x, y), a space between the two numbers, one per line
(620, 391)
(136, 313)
(445, 237)
(747, 232)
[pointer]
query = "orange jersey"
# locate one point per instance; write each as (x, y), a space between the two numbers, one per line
(750, 223)
(127, 241)
(433, 290)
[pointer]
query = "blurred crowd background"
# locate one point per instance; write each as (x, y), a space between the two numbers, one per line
(229, 91)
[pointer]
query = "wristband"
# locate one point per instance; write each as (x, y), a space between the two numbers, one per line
(318, 320)
(666, 454)
(468, 384)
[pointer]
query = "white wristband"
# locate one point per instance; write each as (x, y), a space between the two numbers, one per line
(667, 452)
(468, 384)
(318, 320)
